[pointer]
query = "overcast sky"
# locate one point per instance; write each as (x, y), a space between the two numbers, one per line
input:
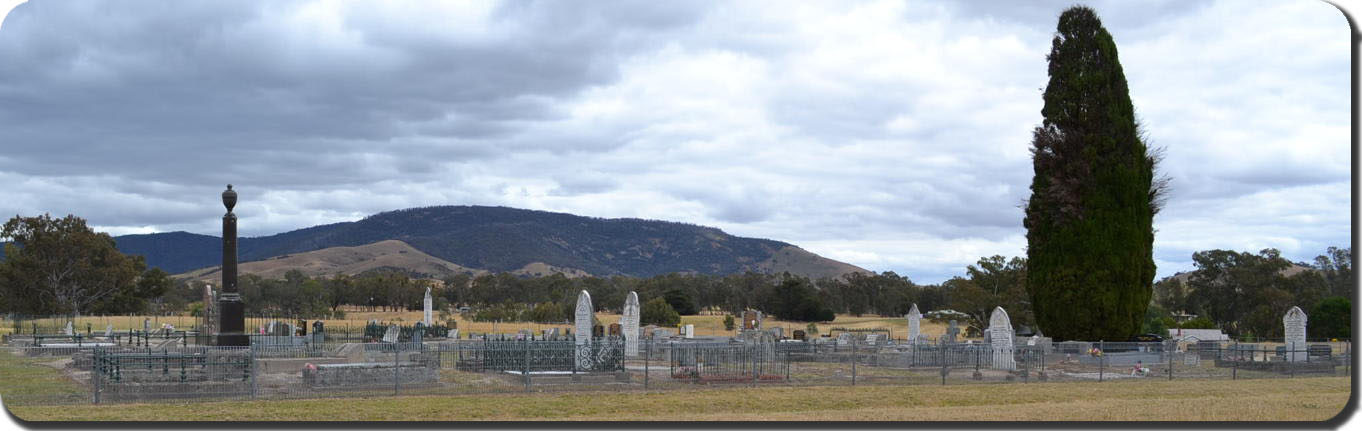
(890, 135)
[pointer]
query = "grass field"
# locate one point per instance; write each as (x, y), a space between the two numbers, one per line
(1304, 399)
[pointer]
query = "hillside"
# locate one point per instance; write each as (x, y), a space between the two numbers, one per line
(390, 254)
(500, 239)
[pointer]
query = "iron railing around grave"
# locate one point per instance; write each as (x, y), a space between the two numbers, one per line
(721, 362)
(604, 354)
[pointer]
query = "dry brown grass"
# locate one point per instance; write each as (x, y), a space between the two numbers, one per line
(1303, 399)
(356, 317)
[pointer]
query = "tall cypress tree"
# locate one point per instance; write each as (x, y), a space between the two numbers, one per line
(1090, 237)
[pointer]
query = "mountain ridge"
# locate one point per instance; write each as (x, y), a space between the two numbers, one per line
(502, 239)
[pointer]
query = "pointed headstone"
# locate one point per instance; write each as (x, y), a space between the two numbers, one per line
(1294, 322)
(426, 308)
(108, 330)
(70, 330)
(629, 322)
(583, 323)
(582, 318)
(914, 324)
(1000, 332)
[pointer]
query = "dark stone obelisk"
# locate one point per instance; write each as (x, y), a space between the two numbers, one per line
(232, 325)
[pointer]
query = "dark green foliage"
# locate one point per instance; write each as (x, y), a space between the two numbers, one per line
(993, 281)
(680, 302)
(1156, 321)
(658, 312)
(61, 266)
(729, 325)
(1197, 323)
(1332, 318)
(1090, 217)
(796, 299)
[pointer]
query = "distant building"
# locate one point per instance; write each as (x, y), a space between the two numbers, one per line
(1197, 335)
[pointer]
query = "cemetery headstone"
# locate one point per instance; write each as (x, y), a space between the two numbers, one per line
(1294, 322)
(318, 331)
(108, 330)
(749, 320)
(778, 332)
(583, 323)
(302, 328)
(146, 325)
(661, 333)
(844, 339)
(952, 331)
(597, 331)
(390, 336)
(798, 334)
(453, 334)
(426, 308)
(70, 330)
(418, 332)
(629, 321)
(1000, 330)
(914, 324)
(871, 339)
(688, 331)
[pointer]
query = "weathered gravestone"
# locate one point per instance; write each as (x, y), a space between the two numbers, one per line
(453, 334)
(843, 339)
(426, 305)
(688, 331)
(629, 323)
(1294, 321)
(751, 320)
(318, 331)
(70, 330)
(871, 339)
(583, 325)
(390, 336)
(952, 331)
(1000, 331)
(914, 324)
(108, 330)
(418, 333)
(798, 334)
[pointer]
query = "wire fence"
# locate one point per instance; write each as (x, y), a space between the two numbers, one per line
(284, 367)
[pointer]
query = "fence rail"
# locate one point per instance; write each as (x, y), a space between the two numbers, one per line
(310, 367)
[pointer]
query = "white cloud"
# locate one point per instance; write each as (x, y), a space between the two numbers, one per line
(887, 134)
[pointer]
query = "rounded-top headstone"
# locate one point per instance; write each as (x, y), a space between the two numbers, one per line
(229, 198)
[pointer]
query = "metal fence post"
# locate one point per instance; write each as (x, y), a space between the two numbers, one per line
(96, 373)
(1101, 358)
(397, 367)
(526, 374)
(251, 357)
(1235, 371)
(853, 361)
(1170, 361)
(755, 351)
(647, 357)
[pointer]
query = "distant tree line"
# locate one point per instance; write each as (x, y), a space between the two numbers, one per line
(1246, 294)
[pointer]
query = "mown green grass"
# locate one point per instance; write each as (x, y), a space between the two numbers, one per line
(27, 380)
(1309, 399)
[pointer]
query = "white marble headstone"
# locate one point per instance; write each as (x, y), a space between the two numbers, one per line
(1000, 334)
(914, 324)
(70, 330)
(582, 319)
(390, 336)
(108, 330)
(1294, 321)
(629, 324)
(426, 308)
(688, 331)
